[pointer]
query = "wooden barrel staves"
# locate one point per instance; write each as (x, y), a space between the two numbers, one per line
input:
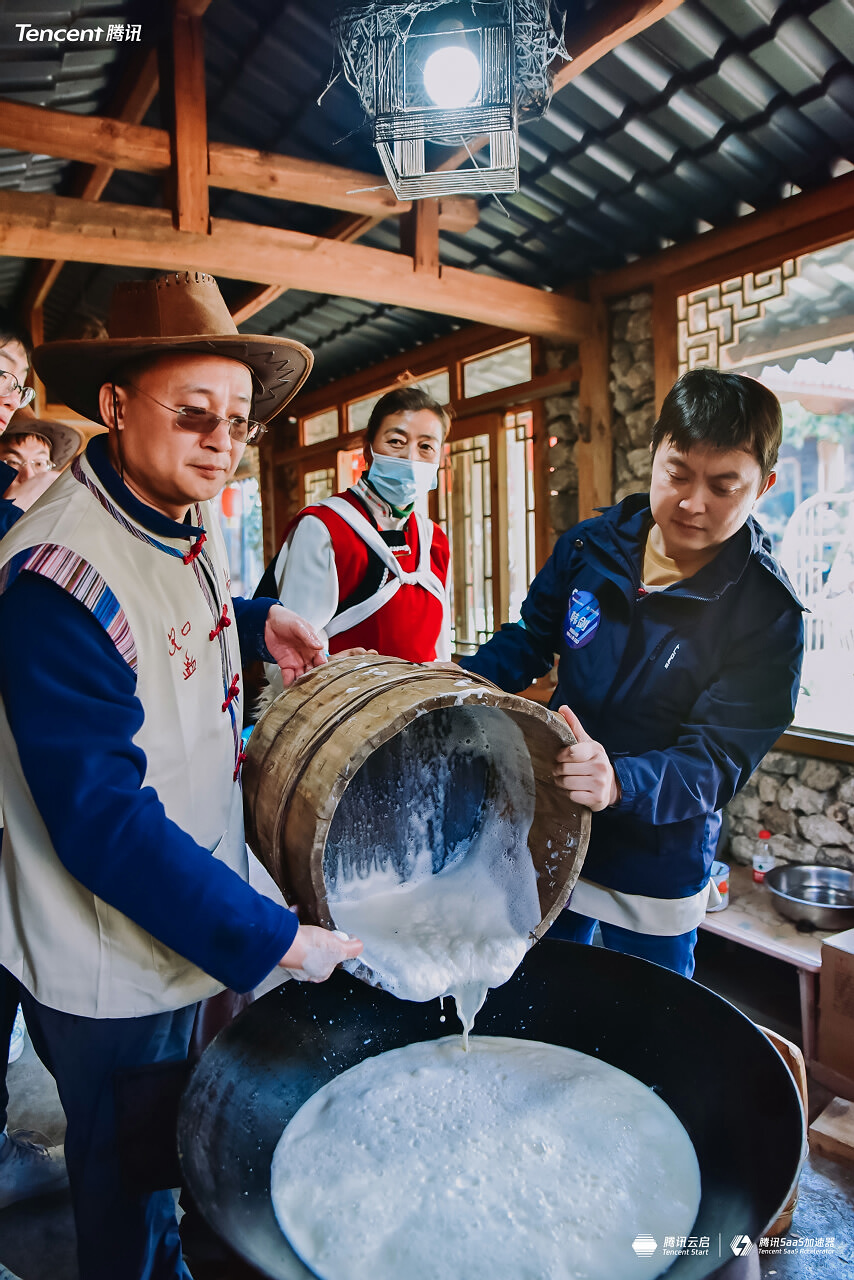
(373, 753)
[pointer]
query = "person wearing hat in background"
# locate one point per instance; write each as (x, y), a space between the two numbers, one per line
(28, 1167)
(17, 491)
(123, 884)
(34, 446)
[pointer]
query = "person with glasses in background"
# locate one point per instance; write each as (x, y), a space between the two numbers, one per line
(29, 1166)
(34, 446)
(124, 894)
(17, 491)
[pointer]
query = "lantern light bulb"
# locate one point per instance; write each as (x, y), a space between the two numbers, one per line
(452, 76)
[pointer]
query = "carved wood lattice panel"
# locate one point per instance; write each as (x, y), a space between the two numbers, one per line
(708, 319)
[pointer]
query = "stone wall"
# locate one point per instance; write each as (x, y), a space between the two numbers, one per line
(806, 804)
(633, 392)
(560, 423)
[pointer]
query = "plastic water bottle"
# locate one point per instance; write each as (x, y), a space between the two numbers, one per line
(764, 860)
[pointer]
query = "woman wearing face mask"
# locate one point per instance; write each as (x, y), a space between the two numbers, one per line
(364, 565)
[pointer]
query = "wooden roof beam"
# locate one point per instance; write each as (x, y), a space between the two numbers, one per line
(136, 94)
(603, 29)
(35, 225)
(182, 61)
(796, 225)
(103, 141)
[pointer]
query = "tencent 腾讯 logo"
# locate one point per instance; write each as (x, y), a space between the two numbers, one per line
(740, 1245)
(644, 1246)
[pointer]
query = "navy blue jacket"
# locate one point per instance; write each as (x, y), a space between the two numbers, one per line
(686, 688)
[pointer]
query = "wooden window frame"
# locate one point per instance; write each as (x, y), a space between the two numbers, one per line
(493, 424)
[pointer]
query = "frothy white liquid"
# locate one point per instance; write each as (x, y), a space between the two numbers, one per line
(465, 928)
(514, 1161)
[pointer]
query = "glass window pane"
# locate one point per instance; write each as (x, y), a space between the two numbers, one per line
(318, 485)
(438, 385)
(240, 519)
(465, 513)
(501, 369)
(360, 410)
(320, 426)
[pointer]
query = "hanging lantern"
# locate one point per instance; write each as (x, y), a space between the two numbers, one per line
(446, 74)
(230, 499)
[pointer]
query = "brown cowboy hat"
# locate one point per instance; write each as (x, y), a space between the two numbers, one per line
(63, 440)
(182, 311)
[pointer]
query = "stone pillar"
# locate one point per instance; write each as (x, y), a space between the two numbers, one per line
(633, 390)
(560, 423)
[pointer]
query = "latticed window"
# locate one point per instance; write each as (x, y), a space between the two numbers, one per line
(486, 505)
(792, 328)
(318, 485)
(465, 513)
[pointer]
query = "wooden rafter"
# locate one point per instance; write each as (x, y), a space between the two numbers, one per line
(798, 225)
(117, 144)
(34, 225)
(603, 29)
(132, 101)
(185, 56)
(419, 236)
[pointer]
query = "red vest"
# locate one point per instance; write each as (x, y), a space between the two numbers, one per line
(409, 623)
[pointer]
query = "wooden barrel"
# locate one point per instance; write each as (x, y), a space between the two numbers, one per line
(346, 756)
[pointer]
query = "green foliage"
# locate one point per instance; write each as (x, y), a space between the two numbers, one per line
(800, 425)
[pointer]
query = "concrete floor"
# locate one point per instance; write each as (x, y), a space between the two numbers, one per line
(37, 1239)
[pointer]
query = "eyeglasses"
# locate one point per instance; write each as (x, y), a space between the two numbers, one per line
(10, 386)
(37, 464)
(192, 417)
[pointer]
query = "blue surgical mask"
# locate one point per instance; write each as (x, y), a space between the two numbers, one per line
(400, 480)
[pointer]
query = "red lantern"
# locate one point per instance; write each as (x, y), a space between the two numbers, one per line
(231, 502)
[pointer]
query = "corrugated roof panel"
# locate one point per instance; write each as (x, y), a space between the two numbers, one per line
(836, 23)
(741, 19)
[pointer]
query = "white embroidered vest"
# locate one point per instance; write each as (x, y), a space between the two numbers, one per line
(70, 949)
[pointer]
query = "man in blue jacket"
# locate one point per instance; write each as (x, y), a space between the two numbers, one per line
(680, 642)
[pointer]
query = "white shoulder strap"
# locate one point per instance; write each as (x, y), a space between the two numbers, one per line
(423, 575)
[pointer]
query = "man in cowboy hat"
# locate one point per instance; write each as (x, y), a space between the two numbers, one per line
(123, 884)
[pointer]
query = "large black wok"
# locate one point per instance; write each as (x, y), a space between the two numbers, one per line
(721, 1076)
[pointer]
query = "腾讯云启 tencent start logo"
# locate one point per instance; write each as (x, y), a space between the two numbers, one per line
(644, 1245)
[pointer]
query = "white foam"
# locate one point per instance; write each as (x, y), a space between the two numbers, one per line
(467, 927)
(515, 1161)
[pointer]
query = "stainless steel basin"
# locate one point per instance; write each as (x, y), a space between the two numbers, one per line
(822, 896)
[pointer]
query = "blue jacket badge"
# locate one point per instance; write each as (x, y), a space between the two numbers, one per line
(582, 620)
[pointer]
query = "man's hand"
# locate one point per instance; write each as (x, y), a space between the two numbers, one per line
(585, 770)
(292, 643)
(25, 488)
(315, 952)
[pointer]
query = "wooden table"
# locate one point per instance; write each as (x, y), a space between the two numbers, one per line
(752, 920)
